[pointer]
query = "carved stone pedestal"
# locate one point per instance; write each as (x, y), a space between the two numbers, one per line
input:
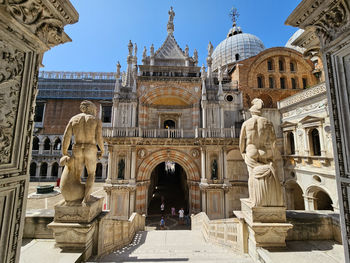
(266, 226)
(74, 227)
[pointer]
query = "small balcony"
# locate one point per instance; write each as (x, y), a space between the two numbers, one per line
(172, 133)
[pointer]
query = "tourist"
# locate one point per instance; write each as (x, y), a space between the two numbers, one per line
(162, 223)
(173, 211)
(162, 207)
(181, 216)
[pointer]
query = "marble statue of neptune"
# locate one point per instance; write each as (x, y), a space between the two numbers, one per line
(87, 131)
(257, 145)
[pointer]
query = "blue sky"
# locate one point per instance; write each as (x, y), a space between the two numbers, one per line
(101, 36)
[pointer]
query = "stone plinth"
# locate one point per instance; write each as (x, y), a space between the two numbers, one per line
(263, 214)
(266, 226)
(78, 214)
(74, 227)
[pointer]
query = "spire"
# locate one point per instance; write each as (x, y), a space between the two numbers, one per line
(118, 70)
(204, 90)
(170, 25)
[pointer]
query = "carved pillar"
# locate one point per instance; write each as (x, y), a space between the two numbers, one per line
(203, 164)
(133, 163)
(28, 28)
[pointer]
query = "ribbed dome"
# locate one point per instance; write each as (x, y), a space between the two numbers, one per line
(237, 46)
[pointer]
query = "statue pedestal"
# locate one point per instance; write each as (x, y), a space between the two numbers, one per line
(74, 227)
(266, 226)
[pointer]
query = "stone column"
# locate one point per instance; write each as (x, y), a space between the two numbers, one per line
(133, 164)
(321, 135)
(41, 147)
(37, 172)
(134, 107)
(110, 164)
(23, 42)
(309, 202)
(203, 164)
(296, 142)
(49, 170)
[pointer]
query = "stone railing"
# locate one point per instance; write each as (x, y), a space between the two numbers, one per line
(227, 232)
(114, 234)
(76, 75)
(172, 133)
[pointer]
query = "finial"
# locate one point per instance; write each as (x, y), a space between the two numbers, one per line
(144, 54)
(152, 50)
(233, 15)
(195, 55)
(203, 71)
(130, 48)
(210, 49)
(170, 25)
(135, 50)
(118, 70)
(186, 51)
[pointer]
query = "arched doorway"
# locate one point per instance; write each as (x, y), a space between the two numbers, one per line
(323, 201)
(168, 184)
(54, 170)
(295, 199)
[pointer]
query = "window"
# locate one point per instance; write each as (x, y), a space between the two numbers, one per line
(43, 170)
(106, 114)
(269, 65)
(32, 170)
(54, 170)
(283, 83)
(304, 83)
(47, 144)
(291, 143)
(35, 144)
(58, 144)
(169, 124)
(237, 57)
(98, 170)
(39, 112)
(292, 67)
(271, 82)
(315, 142)
(294, 83)
(260, 82)
(281, 65)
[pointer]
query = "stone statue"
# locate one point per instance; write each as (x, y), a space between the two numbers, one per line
(152, 50)
(135, 50)
(195, 56)
(214, 170)
(121, 169)
(130, 46)
(186, 50)
(87, 131)
(171, 15)
(257, 145)
(210, 49)
(144, 54)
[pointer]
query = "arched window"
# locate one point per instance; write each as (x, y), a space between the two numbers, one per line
(323, 201)
(269, 64)
(268, 102)
(315, 142)
(291, 143)
(281, 65)
(304, 83)
(169, 124)
(43, 170)
(271, 82)
(36, 143)
(237, 57)
(47, 144)
(32, 169)
(294, 83)
(58, 144)
(292, 66)
(283, 82)
(260, 82)
(54, 170)
(121, 169)
(99, 170)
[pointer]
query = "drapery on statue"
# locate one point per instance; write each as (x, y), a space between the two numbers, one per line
(87, 131)
(257, 144)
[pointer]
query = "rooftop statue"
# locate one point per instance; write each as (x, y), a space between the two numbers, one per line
(257, 145)
(87, 131)
(171, 15)
(210, 49)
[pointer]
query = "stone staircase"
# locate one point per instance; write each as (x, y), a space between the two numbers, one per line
(172, 246)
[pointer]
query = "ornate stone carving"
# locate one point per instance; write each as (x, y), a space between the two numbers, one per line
(40, 20)
(11, 68)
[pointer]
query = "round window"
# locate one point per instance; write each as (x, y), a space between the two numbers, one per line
(229, 98)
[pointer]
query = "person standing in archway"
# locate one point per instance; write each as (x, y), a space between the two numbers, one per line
(162, 208)
(181, 216)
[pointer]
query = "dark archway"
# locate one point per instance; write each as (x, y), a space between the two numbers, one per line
(43, 170)
(47, 144)
(323, 201)
(169, 124)
(54, 170)
(168, 184)
(295, 199)
(58, 144)
(99, 170)
(36, 143)
(32, 170)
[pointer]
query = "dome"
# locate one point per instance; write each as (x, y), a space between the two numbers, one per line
(293, 38)
(237, 46)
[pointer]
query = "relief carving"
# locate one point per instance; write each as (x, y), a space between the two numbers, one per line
(11, 68)
(39, 20)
